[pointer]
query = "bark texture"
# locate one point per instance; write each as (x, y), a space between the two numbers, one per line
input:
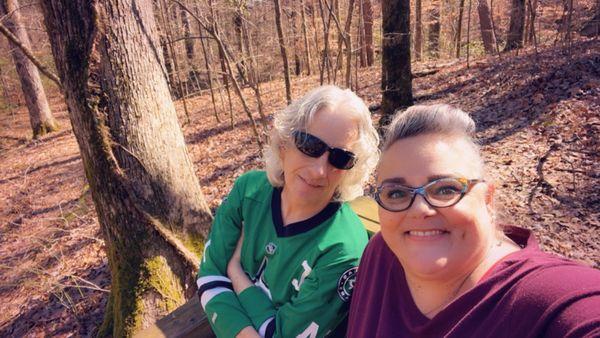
(396, 81)
(284, 57)
(40, 116)
(146, 194)
(458, 41)
(418, 30)
(368, 22)
(307, 56)
(514, 37)
(485, 24)
(433, 36)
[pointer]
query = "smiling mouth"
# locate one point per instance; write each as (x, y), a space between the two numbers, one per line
(426, 233)
(310, 184)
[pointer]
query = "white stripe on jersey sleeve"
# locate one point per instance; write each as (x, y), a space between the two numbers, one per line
(207, 279)
(262, 330)
(209, 294)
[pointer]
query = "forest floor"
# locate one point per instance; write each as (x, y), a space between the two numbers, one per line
(539, 123)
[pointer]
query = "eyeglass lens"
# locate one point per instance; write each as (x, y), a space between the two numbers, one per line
(439, 193)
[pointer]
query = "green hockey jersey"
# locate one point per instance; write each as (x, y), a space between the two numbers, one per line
(303, 273)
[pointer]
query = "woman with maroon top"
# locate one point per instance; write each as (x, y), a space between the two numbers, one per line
(441, 266)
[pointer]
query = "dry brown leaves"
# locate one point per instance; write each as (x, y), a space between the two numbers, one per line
(539, 124)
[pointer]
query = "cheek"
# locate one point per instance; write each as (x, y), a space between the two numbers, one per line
(389, 221)
(473, 219)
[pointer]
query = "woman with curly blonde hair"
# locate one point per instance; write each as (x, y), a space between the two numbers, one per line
(282, 254)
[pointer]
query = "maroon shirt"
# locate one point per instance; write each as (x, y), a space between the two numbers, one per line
(529, 293)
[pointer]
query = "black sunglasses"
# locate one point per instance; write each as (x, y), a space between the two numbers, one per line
(313, 146)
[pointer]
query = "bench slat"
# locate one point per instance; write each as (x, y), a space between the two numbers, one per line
(187, 321)
(366, 209)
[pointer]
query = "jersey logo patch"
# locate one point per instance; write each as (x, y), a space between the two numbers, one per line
(346, 283)
(270, 248)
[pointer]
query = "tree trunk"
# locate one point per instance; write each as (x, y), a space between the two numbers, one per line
(242, 65)
(141, 177)
(469, 33)
(461, 9)
(193, 82)
(40, 116)
(592, 27)
(396, 77)
(434, 29)
(530, 26)
(284, 57)
(305, 37)
(207, 64)
(344, 39)
(253, 76)
(295, 43)
(514, 38)
(316, 36)
(326, 62)
(226, 83)
(164, 9)
(494, 28)
(485, 24)
(348, 41)
(187, 34)
(164, 46)
(418, 30)
(368, 21)
(27, 52)
(360, 33)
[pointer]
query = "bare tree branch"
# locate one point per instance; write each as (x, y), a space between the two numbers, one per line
(10, 36)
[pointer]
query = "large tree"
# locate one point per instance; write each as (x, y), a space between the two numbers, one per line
(514, 36)
(40, 116)
(142, 181)
(396, 77)
(433, 36)
(485, 24)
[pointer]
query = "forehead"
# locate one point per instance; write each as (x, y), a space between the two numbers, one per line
(335, 127)
(420, 157)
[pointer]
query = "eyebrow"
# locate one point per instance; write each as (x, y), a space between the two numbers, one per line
(401, 180)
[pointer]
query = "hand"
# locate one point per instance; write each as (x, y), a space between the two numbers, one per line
(235, 272)
(248, 332)
(235, 264)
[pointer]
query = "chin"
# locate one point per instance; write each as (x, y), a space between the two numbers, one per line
(426, 267)
(423, 263)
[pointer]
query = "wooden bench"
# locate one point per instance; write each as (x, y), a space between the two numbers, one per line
(189, 319)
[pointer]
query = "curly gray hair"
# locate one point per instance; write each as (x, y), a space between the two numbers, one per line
(299, 114)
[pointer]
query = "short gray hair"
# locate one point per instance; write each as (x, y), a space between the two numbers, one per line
(439, 119)
(299, 114)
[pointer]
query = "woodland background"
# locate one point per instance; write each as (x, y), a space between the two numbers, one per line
(536, 101)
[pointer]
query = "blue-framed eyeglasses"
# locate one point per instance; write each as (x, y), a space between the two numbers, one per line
(440, 193)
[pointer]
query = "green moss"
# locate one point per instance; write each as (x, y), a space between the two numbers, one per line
(45, 127)
(82, 207)
(195, 243)
(123, 312)
(106, 329)
(162, 280)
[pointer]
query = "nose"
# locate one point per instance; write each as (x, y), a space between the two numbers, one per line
(319, 167)
(420, 207)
